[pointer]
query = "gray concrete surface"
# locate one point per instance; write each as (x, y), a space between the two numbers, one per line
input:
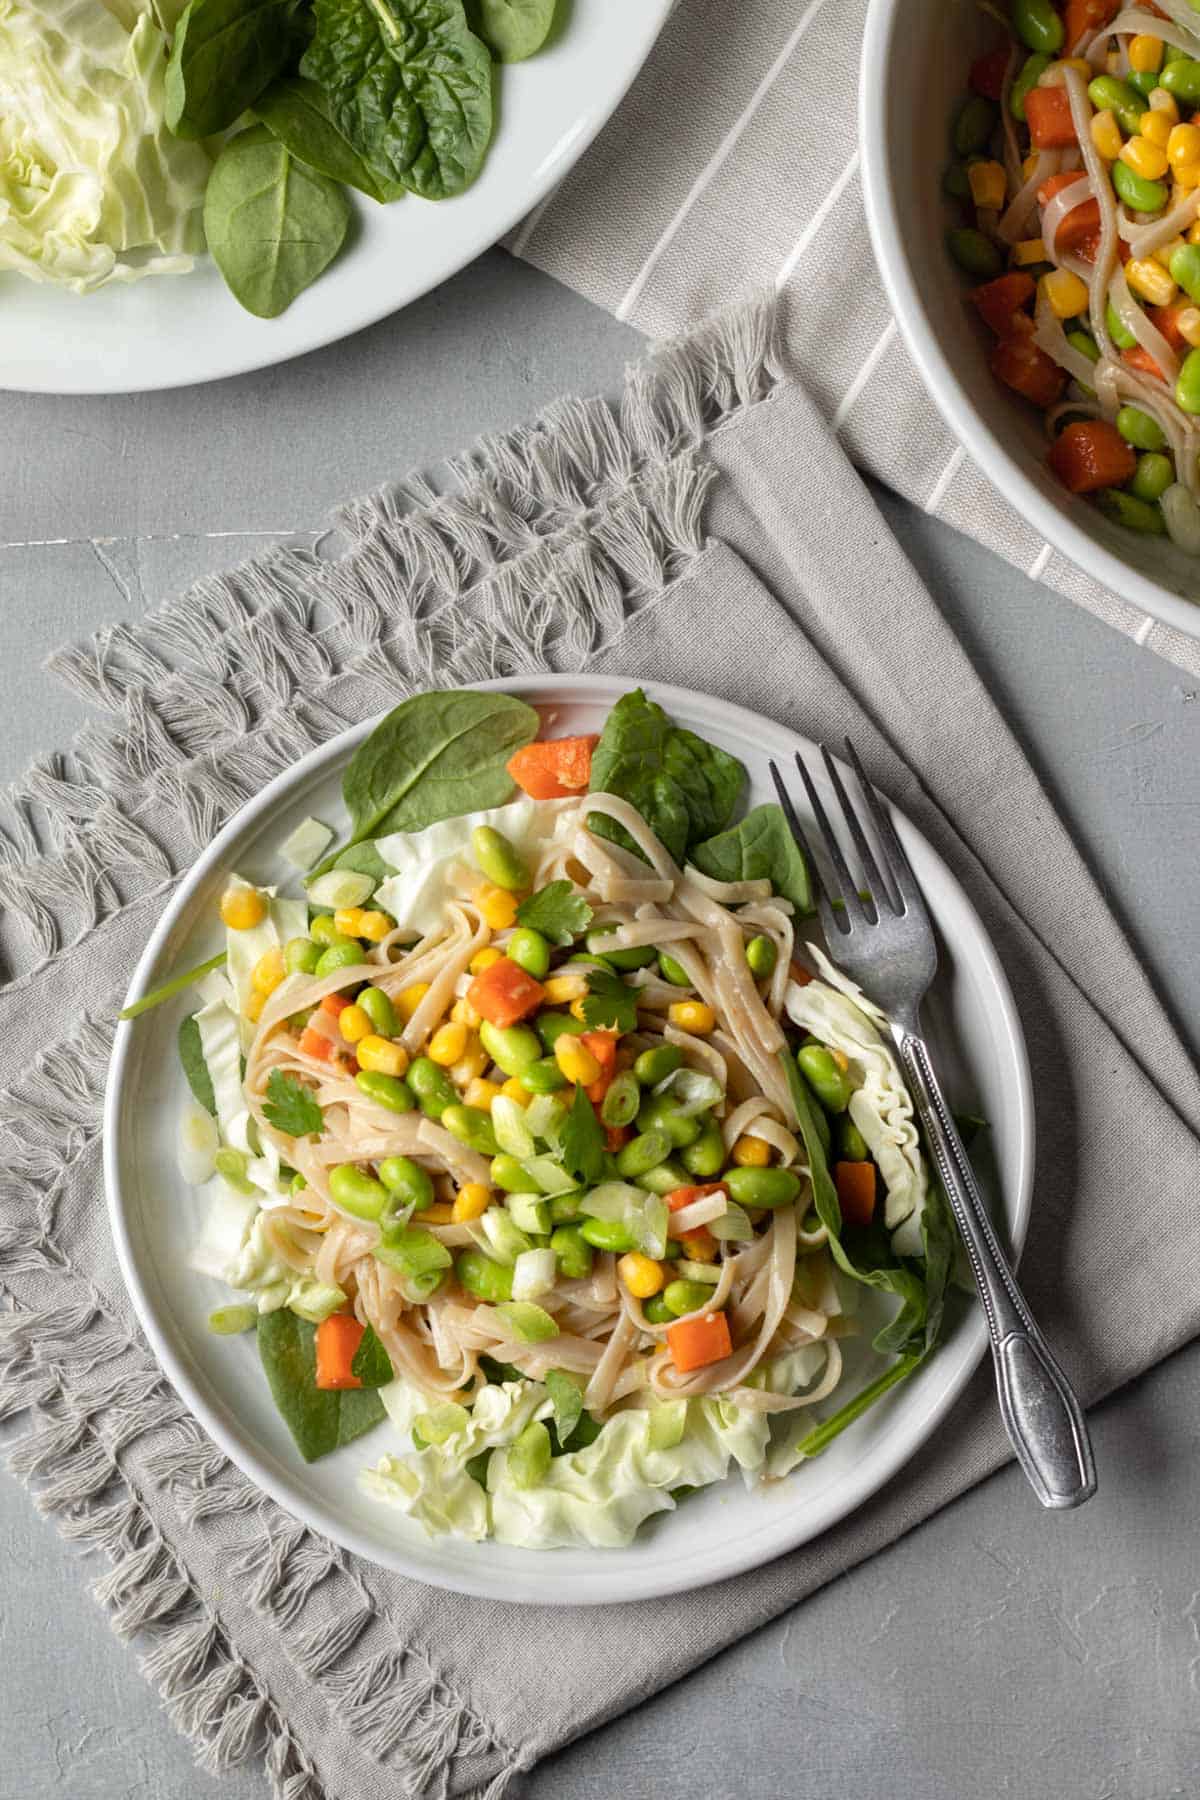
(996, 1651)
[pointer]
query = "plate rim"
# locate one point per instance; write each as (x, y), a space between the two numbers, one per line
(746, 1551)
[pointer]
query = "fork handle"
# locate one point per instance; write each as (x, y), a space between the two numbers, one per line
(1041, 1413)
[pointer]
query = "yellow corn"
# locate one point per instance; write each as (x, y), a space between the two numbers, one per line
(447, 1044)
(463, 1013)
(641, 1275)
(254, 1006)
(1166, 251)
(576, 1011)
(1145, 53)
(1106, 135)
(561, 988)
(1066, 293)
(751, 1153)
(1187, 177)
(268, 971)
(1162, 102)
(1183, 146)
(407, 1002)
(1187, 320)
(988, 184)
(1029, 167)
(242, 908)
(1150, 280)
(513, 1089)
(694, 1015)
(483, 959)
(576, 1061)
(381, 1055)
(471, 1064)
(840, 1058)
(1157, 127)
(354, 1024)
(374, 926)
(470, 1202)
(348, 920)
(481, 1093)
(497, 907)
(700, 1245)
(1144, 158)
(440, 1213)
(1029, 250)
(1055, 74)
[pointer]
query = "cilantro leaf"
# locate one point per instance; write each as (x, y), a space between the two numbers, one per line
(610, 1004)
(372, 1364)
(557, 911)
(568, 1403)
(581, 1149)
(290, 1106)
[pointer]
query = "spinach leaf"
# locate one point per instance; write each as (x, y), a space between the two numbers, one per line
(194, 1065)
(760, 847)
(224, 54)
(434, 757)
(364, 859)
(498, 1371)
(409, 86)
(320, 1420)
(372, 1363)
(272, 224)
(514, 29)
(685, 789)
(297, 113)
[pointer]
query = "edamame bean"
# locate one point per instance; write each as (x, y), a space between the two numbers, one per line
(956, 182)
(339, 956)
(1027, 77)
(530, 951)
(380, 1011)
(672, 971)
(762, 953)
(658, 1112)
(511, 1047)
(1084, 342)
(706, 1157)
(1187, 387)
(643, 1153)
(1118, 331)
(828, 1082)
(974, 124)
(1136, 191)
(1144, 81)
(851, 1143)
(1181, 77)
(1153, 476)
(607, 1234)
(681, 1297)
(507, 1173)
(763, 1187)
(653, 1066)
(1185, 269)
(386, 1090)
(657, 1311)
(499, 859)
(573, 1251)
(619, 1106)
(550, 1026)
(482, 1276)
(665, 1178)
(543, 1076)
(1139, 429)
(433, 1087)
(472, 1127)
(301, 956)
(1038, 24)
(639, 958)
(407, 1182)
(356, 1192)
(322, 930)
(297, 1184)
(1107, 94)
(975, 254)
(564, 1208)
(1134, 514)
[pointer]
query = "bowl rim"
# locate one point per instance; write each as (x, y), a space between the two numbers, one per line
(883, 23)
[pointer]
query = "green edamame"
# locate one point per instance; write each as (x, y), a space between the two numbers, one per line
(407, 1182)
(1027, 77)
(573, 1251)
(530, 951)
(1038, 24)
(550, 1026)
(762, 953)
(1084, 342)
(1139, 429)
(484, 1277)
(1185, 269)
(681, 1297)
(1143, 80)
(1134, 514)
(386, 1090)
(639, 958)
(607, 1234)
(472, 1127)
(499, 859)
(322, 930)
(664, 1179)
(511, 1047)
(763, 1187)
(1107, 94)
(658, 1112)
(653, 1066)
(956, 182)
(356, 1192)
(672, 971)
(852, 1145)
(1118, 331)
(339, 956)
(619, 1106)
(543, 1076)
(380, 1011)
(656, 1310)
(433, 1087)
(1153, 476)
(973, 124)
(507, 1173)
(975, 254)
(301, 956)
(564, 1208)
(1136, 191)
(643, 1153)
(829, 1083)
(706, 1157)
(1181, 77)
(1187, 386)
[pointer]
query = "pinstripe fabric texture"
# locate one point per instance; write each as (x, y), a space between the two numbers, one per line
(713, 179)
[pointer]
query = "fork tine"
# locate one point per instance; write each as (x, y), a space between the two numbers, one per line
(797, 831)
(899, 868)
(881, 893)
(849, 894)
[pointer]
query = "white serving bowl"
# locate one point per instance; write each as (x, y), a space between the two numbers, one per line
(916, 54)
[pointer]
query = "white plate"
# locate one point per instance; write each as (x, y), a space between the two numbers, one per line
(168, 331)
(719, 1531)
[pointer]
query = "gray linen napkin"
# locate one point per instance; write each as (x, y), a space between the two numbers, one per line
(661, 539)
(733, 161)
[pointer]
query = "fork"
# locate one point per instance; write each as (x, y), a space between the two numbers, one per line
(885, 943)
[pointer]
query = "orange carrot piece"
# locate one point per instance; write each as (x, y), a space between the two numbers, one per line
(603, 1046)
(680, 1197)
(799, 974)
(698, 1341)
(615, 1137)
(998, 300)
(1139, 358)
(1082, 223)
(338, 1338)
(333, 1004)
(1090, 454)
(855, 1184)
(555, 768)
(699, 1245)
(315, 1043)
(1081, 16)
(1167, 320)
(504, 993)
(1022, 365)
(1048, 115)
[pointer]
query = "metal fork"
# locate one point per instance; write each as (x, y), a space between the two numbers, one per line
(886, 944)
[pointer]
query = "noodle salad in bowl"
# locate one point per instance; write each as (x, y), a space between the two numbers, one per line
(536, 1134)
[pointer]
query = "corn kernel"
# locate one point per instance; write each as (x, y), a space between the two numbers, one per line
(751, 1153)
(1162, 102)
(576, 1011)
(1055, 73)
(1150, 280)
(576, 1061)
(348, 920)
(1029, 250)
(470, 1202)
(1066, 293)
(988, 184)
(1144, 158)
(694, 1015)
(438, 1214)
(447, 1044)
(561, 988)
(1157, 127)
(242, 908)
(1145, 53)
(1029, 167)
(641, 1275)
(1183, 146)
(1106, 135)
(1193, 233)
(354, 1024)
(841, 1059)
(407, 1002)
(1187, 177)
(374, 926)
(381, 1055)
(699, 1245)
(254, 1006)
(497, 907)
(481, 1093)
(471, 1064)
(1187, 321)
(1166, 251)
(463, 1013)
(268, 971)
(513, 1090)
(483, 959)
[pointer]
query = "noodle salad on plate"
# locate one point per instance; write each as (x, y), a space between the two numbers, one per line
(536, 1133)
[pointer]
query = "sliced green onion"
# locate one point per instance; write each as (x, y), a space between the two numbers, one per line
(534, 1273)
(613, 1200)
(413, 1252)
(340, 888)
(229, 1321)
(620, 1104)
(306, 844)
(442, 1422)
(231, 1167)
(733, 1225)
(527, 1322)
(529, 1212)
(651, 1225)
(667, 1424)
(696, 1271)
(692, 1090)
(544, 1116)
(500, 1236)
(529, 1457)
(823, 1435)
(511, 1127)
(169, 989)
